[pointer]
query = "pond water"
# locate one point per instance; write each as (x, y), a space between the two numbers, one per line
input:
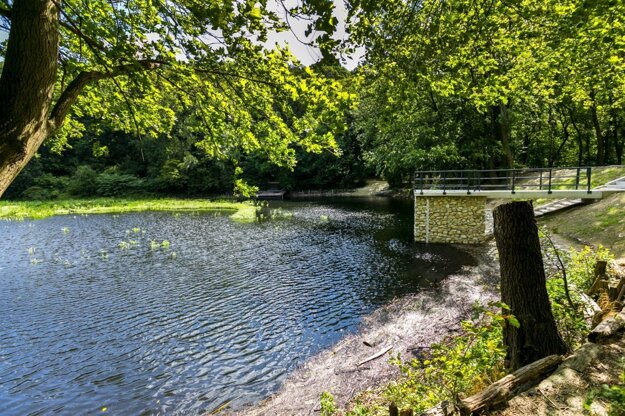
(96, 311)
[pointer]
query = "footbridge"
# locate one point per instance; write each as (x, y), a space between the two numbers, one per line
(450, 205)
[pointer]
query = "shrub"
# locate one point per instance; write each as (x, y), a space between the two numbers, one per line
(116, 184)
(582, 265)
(38, 193)
(579, 267)
(328, 408)
(46, 187)
(463, 363)
(83, 183)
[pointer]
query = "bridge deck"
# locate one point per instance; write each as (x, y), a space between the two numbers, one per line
(518, 194)
(529, 183)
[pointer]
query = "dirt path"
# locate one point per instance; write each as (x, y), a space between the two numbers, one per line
(407, 324)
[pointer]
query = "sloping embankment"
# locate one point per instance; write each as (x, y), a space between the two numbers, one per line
(600, 223)
(407, 325)
(566, 392)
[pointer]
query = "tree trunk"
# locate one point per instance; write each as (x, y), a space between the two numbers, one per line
(27, 84)
(580, 150)
(600, 139)
(523, 287)
(618, 140)
(501, 131)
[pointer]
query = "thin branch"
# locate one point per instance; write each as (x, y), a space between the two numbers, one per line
(71, 26)
(5, 11)
(234, 75)
(70, 94)
(75, 29)
(563, 269)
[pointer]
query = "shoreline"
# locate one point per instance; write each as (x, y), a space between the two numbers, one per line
(407, 324)
(35, 210)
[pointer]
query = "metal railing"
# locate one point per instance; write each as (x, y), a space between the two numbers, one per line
(510, 180)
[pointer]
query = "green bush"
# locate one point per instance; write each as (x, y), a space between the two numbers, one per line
(116, 184)
(46, 187)
(38, 193)
(579, 267)
(83, 183)
(463, 363)
(582, 265)
(328, 408)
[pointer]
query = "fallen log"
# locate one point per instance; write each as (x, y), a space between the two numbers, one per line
(504, 389)
(601, 279)
(373, 357)
(607, 328)
(621, 292)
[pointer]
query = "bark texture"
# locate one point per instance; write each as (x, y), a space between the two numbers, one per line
(27, 84)
(28, 113)
(523, 286)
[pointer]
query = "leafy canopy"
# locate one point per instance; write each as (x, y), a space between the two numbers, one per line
(201, 66)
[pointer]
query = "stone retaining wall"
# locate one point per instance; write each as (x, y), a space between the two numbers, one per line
(449, 219)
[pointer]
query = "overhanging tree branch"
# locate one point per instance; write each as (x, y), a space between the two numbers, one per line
(72, 92)
(75, 29)
(5, 11)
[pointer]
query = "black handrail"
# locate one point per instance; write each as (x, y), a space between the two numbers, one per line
(513, 180)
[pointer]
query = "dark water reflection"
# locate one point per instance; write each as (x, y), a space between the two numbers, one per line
(222, 314)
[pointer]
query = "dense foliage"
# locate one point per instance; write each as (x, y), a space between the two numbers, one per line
(109, 163)
(202, 71)
(459, 84)
(490, 83)
(570, 309)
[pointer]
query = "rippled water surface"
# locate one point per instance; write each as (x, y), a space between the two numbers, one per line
(95, 311)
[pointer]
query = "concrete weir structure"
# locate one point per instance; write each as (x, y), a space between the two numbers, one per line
(450, 206)
(449, 219)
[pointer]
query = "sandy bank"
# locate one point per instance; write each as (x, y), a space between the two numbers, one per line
(407, 324)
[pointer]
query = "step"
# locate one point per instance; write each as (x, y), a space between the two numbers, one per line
(556, 206)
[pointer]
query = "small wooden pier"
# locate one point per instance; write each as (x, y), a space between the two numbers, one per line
(271, 194)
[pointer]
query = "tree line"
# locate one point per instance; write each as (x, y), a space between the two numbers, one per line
(184, 98)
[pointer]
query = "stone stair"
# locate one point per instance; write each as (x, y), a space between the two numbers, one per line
(615, 185)
(557, 205)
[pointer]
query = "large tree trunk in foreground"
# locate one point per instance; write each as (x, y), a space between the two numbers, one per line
(523, 286)
(27, 84)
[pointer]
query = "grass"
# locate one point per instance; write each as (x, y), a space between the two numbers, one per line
(600, 176)
(600, 223)
(19, 210)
